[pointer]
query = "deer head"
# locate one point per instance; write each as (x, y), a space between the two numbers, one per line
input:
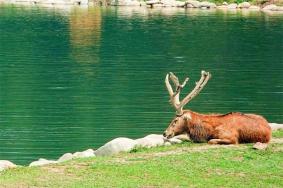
(178, 124)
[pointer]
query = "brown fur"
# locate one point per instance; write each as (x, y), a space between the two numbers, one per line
(231, 128)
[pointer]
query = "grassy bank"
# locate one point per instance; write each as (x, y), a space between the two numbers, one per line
(183, 165)
(253, 2)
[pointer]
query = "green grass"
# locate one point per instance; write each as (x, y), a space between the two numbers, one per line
(183, 165)
(253, 2)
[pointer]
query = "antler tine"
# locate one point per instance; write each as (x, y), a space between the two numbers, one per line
(174, 79)
(205, 76)
(174, 96)
(168, 86)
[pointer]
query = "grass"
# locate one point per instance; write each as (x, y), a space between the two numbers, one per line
(182, 165)
(253, 2)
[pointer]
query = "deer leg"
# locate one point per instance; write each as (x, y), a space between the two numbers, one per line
(221, 141)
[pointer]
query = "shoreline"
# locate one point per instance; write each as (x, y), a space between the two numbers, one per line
(115, 146)
(188, 4)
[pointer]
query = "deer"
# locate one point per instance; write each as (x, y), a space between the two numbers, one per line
(230, 128)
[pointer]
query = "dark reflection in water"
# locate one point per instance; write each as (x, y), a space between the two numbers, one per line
(74, 79)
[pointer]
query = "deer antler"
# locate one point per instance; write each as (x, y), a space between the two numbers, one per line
(174, 96)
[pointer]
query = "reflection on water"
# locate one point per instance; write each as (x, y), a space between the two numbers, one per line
(74, 78)
(85, 34)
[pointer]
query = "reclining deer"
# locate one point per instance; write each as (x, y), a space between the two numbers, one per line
(231, 128)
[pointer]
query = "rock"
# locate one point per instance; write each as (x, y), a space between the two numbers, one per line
(142, 3)
(232, 6)
(193, 4)
(4, 164)
(168, 3)
(244, 5)
(167, 144)
(65, 157)
(225, 3)
(115, 146)
(151, 140)
(222, 6)
(279, 8)
(180, 4)
(253, 7)
(260, 146)
(42, 162)
(174, 140)
(125, 3)
(206, 4)
(183, 137)
(270, 7)
(84, 154)
(152, 2)
(276, 126)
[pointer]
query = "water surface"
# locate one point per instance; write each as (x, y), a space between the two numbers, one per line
(72, 79)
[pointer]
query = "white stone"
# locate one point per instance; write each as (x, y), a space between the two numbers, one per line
(175, 140)
(65, 157)
(270, 7)
(152, 2)
(224, 3)
(84, 154)
(206, 4)
(253, 7)
(183, 137)
(276, 126)
(232, 6)
(42, 162)
(180, 3)
(4, 164)
(222, 7)
(151, 140)
(260, 146)
(167, 144)
(168, 3)
(244, 5)
(193, 3)
(115, 146)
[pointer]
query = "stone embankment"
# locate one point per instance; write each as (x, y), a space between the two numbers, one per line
(120, 145)
(151, 3)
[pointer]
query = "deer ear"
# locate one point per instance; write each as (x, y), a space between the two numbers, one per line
(187, 117)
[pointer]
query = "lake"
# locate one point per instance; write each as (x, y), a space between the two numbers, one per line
(75, 78)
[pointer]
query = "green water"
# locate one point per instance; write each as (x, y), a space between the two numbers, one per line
(73, 79)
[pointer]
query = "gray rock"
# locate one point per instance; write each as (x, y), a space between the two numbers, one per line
(244, 5)
(4, 164)
(42, 162)
(115, 146)
(260, 146)
(84, 154)
(65, 157)
(276, 126)
(151, 140)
